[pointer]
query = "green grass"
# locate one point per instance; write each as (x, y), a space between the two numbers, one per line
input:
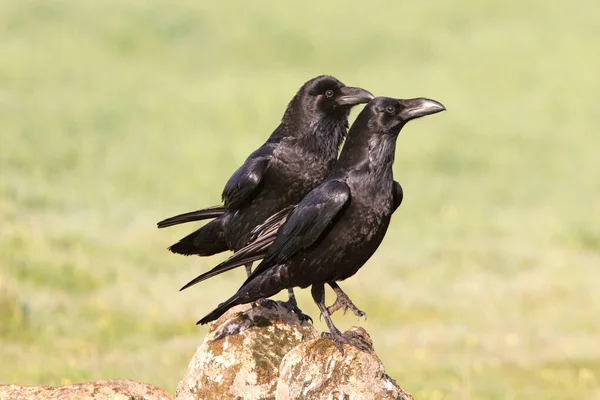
(116, 114)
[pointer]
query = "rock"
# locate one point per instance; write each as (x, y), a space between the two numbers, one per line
(254, 353)
(241, 354)
(268, 353)
(317, 370)
(110, 389)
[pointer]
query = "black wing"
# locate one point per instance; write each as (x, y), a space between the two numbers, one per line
(398, 195)
(206, 213)
(244, 182)
(306, 223)
(260, 240)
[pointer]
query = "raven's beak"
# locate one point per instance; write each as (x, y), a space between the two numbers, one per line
(420, 107)
(350, 96)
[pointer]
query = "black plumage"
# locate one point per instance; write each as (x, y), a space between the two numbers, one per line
(295, 159)
(338, 226)
(261, 239)
(263, 236)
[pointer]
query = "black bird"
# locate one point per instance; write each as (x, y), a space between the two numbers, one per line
(261, 239)
(338, 226)
(297, 157)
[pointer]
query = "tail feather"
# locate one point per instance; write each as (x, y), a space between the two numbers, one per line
(250, 253)
(220, 310)
(223, 267)
(198, 215)
(257, 286)
(206, 241)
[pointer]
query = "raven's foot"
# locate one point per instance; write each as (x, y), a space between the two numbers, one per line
(343, 301)
(339, 339)
(292, 306)
(267, 303)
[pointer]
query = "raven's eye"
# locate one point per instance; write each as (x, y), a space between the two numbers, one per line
(329, 93)
(390, 109)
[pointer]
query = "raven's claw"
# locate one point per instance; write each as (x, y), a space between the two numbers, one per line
(339, 339)
(343, 301)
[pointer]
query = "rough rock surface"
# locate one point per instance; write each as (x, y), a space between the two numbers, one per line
(241, 354)
(253, 353)
(317, 370)
(268, 353)
(100, 390)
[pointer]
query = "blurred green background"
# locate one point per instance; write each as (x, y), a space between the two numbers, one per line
(116, 114)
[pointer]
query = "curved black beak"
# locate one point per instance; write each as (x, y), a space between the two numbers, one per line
(419, 107)
(350, 96)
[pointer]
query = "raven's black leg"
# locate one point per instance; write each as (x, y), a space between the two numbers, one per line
(318, 293)
(263, 302)
(248, 268)
(344, 302)
(292, 305)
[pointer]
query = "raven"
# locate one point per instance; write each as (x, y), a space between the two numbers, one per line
(295, 159)
(261, 239)
(330, 234)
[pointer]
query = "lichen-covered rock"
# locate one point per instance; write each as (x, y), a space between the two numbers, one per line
(253, 353)
(100, 390)
(317, 370)
(241, 354)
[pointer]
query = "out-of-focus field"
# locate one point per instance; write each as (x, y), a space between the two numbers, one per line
(115, 114)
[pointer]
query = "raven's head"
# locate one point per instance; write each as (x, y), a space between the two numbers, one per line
(390, 115)
(326, 96)
(373, 135)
